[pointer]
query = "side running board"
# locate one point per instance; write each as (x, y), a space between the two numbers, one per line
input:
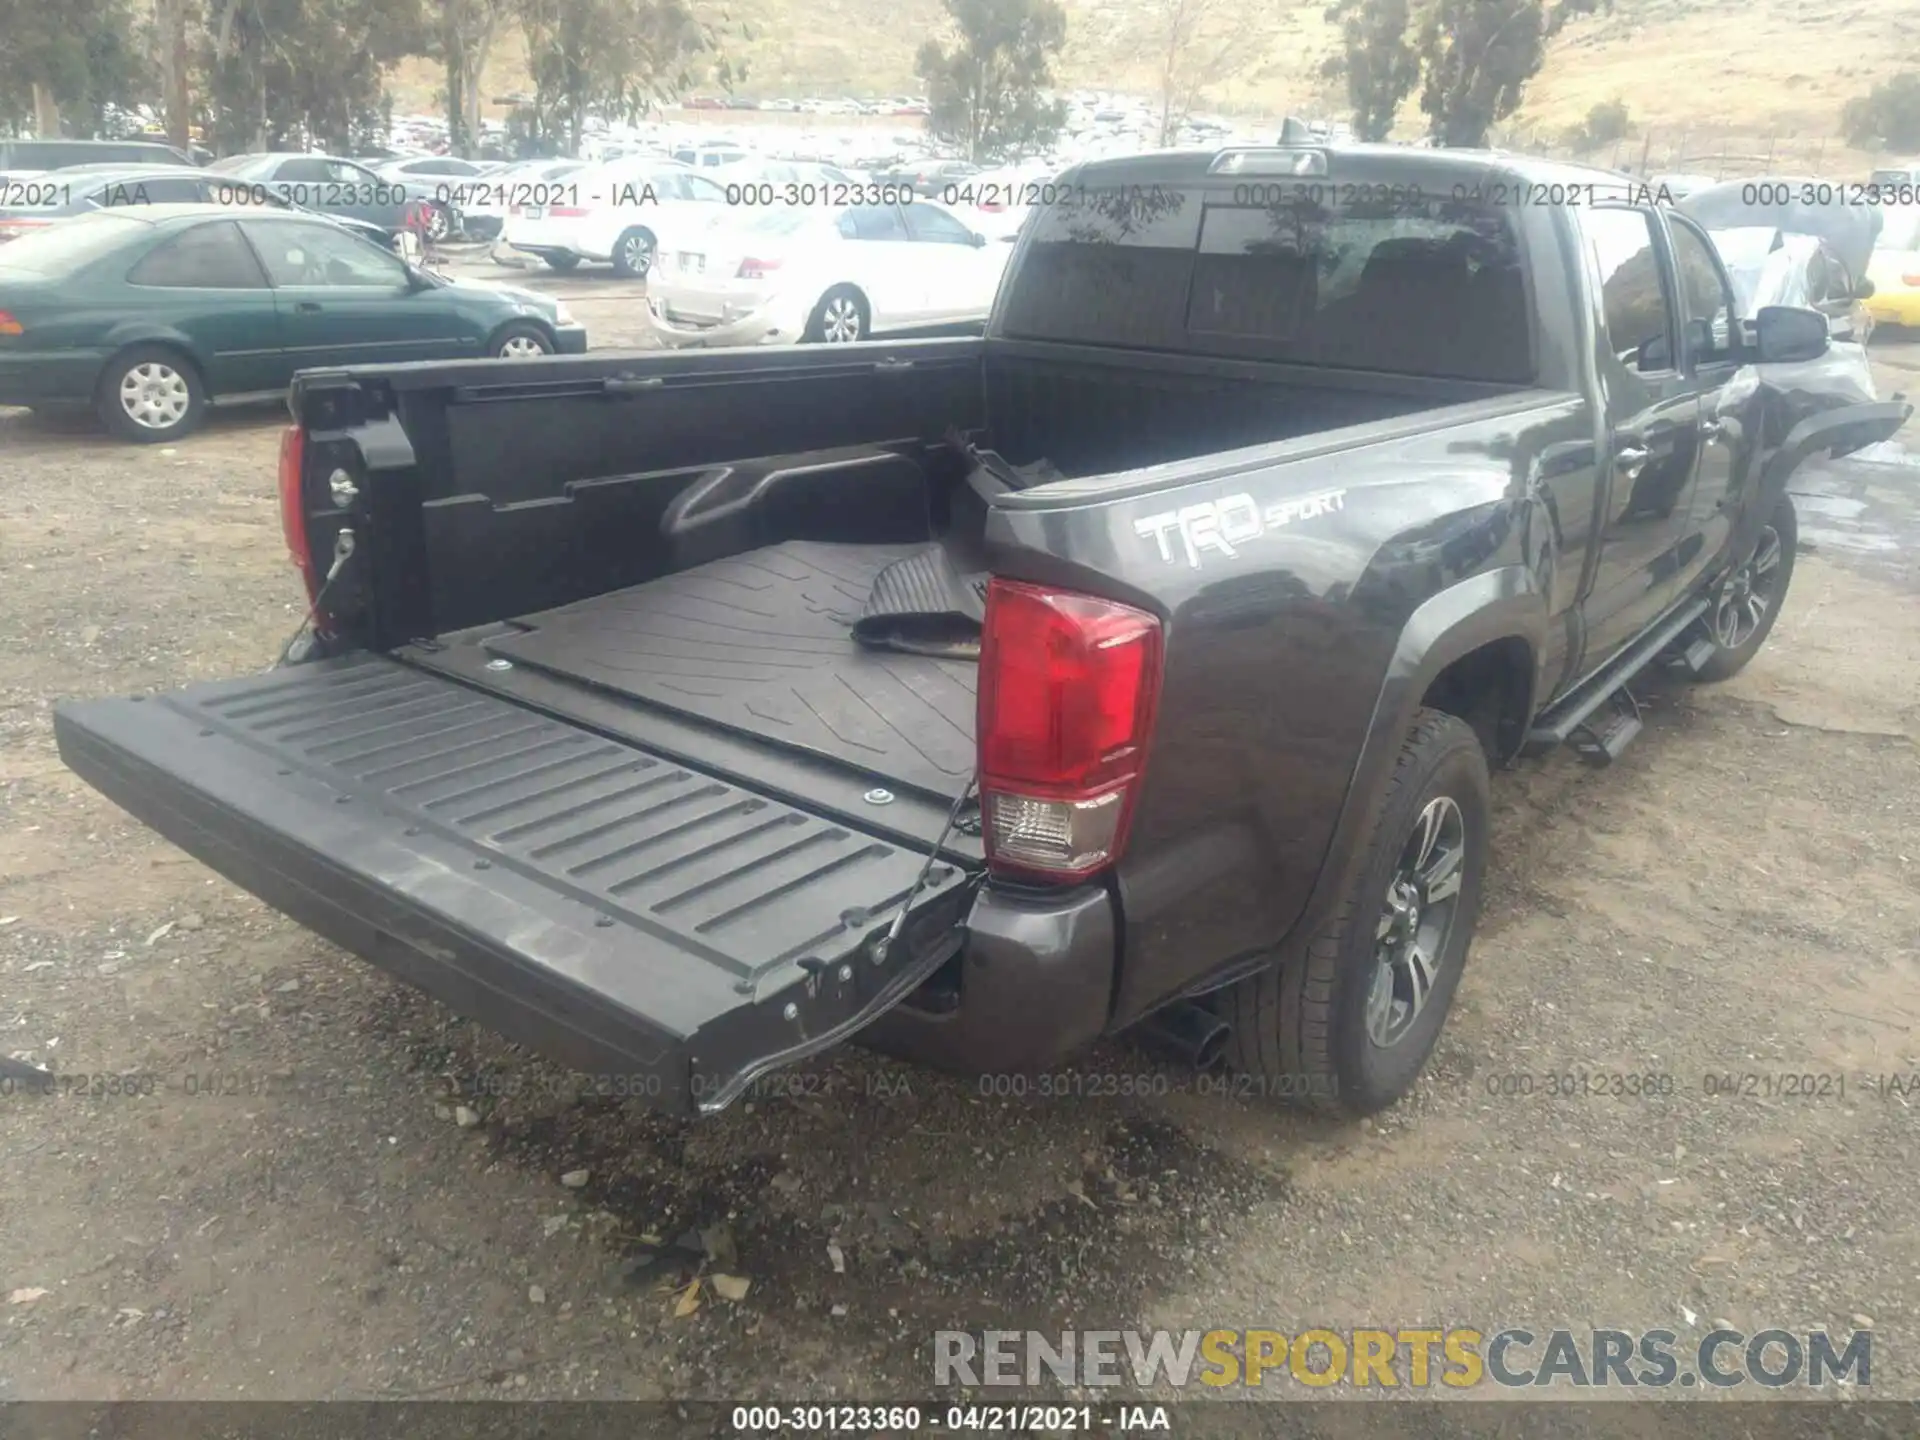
(1573, 712)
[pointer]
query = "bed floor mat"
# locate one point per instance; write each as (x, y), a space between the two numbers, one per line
(762, 644)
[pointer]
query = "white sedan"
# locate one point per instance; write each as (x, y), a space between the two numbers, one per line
(796, 274)
(623, 212)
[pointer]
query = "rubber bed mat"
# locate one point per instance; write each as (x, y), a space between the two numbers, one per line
(623, 914)
(762, 644)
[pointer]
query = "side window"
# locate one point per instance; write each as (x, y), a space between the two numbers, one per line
(876, 222)
(207, 257)
(1626, 267)
(698, 187)
(306, 255)
(308, 168)
(1709, 298)
(925, 223)
(346, 174)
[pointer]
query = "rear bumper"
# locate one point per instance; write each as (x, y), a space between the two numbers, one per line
(61, 376)
(770, 324)
(621, 914)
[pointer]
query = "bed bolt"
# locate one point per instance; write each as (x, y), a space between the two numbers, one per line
(846, 972)
(792, 1012)
(497, 664)
(340, 485)
(878, 797)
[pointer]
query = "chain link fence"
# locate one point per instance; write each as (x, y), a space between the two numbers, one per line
(1720, 154)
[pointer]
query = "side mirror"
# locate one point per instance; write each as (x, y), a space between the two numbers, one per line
(1864, 289)
(1654, 354)
(1787, 333)
(979, 241)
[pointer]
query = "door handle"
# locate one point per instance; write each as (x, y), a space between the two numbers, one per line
(308, 307)
(1714, 430)
(1630, 460)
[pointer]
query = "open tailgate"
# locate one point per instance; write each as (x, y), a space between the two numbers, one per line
(617, 911)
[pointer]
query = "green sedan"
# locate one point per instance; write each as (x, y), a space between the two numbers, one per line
(150, 313)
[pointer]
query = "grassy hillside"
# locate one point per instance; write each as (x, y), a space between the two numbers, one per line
(1683, 67)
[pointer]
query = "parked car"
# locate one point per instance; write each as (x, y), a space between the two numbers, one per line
(712, 758)
(930, 177)
(148, 314)
(832, 275)
(334, 186)
(1894, 269)
(59, 154)
(63, 194)
(1769, 266)
(483, 201)
(997, 202)
(619, 213)
(433, 179)
(710, 154)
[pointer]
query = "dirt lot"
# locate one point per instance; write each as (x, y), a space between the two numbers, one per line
(299, 1211)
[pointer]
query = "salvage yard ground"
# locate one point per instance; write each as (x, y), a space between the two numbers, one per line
(338, 1189)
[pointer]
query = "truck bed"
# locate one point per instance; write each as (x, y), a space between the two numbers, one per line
(761, 645)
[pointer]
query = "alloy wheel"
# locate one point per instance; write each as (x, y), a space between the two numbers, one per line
(840, 320)
(1416, 921)
(1748, 594)
(521, 347)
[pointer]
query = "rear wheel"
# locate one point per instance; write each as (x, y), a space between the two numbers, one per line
(561, 260)
(840, 318)
(1748, 600)
(633, 252)
(151, 394)
(438, 223)
(1347, 1025)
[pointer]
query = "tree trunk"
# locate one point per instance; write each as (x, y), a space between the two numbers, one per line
(46, 113)
(171, 17)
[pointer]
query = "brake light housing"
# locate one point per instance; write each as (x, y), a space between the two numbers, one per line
(566, 212)
(1911, 277)
(9, 325)
(1068, 694)
(751, 269)
(293, 507)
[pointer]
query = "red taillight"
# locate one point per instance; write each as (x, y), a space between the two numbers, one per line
(9, 325)
(1068, 688)
(1911, 278)
(293, 506)
(14, 229)
(756, 269)
(992, 207)
(566, 212)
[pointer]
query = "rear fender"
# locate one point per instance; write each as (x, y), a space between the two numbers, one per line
(1840, 431)
(1500, 604)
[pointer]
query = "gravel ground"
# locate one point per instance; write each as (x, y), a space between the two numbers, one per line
(341, 1190)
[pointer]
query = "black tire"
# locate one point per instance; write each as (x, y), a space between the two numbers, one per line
(168, 374)
(1300, 1028)
(519, 334)
(633, 252)
(839, 307)
(440, 223)
(561, 260)
(1764, 574)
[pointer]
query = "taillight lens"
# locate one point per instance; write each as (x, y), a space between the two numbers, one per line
(756, 269)
(1068, 688)
(566, 212)
(9, 325)
(293, 507)
(14, 229)
(1912, 277)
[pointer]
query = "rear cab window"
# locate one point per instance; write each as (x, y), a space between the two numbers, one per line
(1365, 277)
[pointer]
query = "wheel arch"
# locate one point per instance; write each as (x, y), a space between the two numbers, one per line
(158, 339)
(500, 329)
(1490, 629)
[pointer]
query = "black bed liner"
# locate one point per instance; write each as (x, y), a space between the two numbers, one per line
(761, 643)
(618, 911)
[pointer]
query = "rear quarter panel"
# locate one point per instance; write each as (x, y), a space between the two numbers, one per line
(1288, 584)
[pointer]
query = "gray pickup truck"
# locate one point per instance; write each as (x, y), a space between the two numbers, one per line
(1138, 663)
